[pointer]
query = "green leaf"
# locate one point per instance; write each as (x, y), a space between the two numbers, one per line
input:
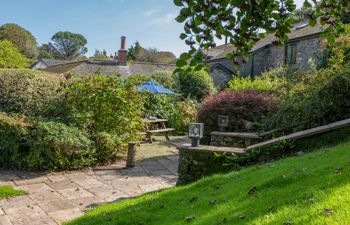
(312, 22)
(185, 56)
(307, 4)
(181, 63)
(230, 56)
(183, 36)
(178, 70)
(331, 39)
(178, 3)
(198, 68)
(180, 19)
(194, 62)
(198, 21)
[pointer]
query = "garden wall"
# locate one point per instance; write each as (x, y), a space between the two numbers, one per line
(229, 139)
(195, 163)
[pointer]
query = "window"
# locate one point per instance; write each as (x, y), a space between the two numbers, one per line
(291, 54)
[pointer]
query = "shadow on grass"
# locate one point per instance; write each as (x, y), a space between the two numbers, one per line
(295, 190)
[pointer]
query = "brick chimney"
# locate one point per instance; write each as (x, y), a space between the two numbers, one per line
(123, 53)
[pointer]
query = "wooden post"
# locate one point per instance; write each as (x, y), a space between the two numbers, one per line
(130, 162)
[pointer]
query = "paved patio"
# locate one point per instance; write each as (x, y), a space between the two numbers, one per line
(57, 197)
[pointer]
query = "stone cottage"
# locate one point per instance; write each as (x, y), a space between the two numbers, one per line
(118, 65)
(304, 45)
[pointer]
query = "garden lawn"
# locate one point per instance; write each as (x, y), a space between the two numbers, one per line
(310, 189)
(8, 191)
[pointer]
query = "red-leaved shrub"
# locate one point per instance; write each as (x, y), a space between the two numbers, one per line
(245, 111)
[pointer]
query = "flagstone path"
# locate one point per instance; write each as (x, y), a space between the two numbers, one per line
(56, 197)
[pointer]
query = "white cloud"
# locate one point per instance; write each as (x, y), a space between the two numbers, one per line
(150, 12)
(164, 20)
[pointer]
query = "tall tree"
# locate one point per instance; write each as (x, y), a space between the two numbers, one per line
(134, 50)
(48, 51)
(301, 14)
(100, 55)
(10, 57)
(241, 22)
(137, 53)
(69, 45)
(21, 38)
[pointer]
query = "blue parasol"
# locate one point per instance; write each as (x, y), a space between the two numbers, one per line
(155, 88)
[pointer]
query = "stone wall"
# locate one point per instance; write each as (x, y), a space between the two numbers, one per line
(239, 140)
(220, 77)
(196, 163)
(307, 50)
(274, 56)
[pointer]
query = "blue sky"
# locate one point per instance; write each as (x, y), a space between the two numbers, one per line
(102, 22)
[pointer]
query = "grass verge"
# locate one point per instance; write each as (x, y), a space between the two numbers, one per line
(8, 191)
(309, 189)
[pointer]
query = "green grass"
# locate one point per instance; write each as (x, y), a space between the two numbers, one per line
(311, 189)
(8, 191)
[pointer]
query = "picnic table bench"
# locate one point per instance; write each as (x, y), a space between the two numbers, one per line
(152, 128)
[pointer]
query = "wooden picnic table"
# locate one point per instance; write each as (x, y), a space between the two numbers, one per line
(157, 126)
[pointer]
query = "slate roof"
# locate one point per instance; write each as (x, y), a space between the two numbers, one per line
(52, 62)
(299, 31)
(110, 67)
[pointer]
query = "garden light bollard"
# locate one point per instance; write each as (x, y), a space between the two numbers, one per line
(222, 122)
(195, 133)
(130, 161)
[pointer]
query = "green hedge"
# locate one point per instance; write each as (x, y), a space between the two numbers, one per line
(42, 145)
(29, 92)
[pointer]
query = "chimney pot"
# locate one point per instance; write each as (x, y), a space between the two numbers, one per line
(123, 40)
(123, 53)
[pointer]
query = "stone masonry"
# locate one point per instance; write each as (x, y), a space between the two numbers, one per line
(230, 139)
(267, 58)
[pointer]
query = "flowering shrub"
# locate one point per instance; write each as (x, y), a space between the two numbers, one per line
(185, 112)
(245, 111)
(178, 112)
